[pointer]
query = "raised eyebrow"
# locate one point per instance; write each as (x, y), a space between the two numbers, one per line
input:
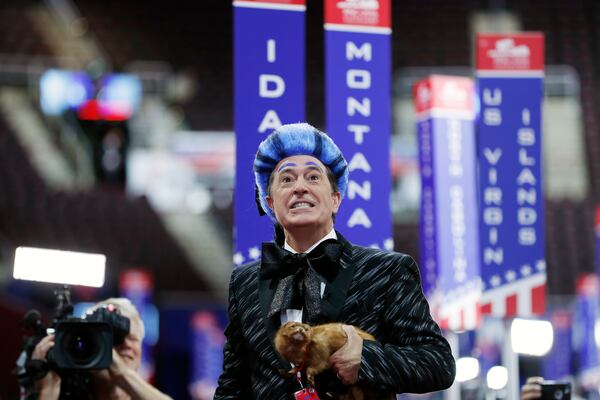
(314, 165)
(286, 165)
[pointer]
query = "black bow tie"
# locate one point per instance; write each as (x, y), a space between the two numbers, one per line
(278, 263)
(298, 283)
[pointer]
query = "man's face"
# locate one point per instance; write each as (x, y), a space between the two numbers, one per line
(131, 348)
(301, 194)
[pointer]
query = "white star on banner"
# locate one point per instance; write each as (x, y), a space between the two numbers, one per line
(254, 253)
(510, 275)
(540, 265)
(388, 244)
(238, 258)
(495, 280)
(526, 270)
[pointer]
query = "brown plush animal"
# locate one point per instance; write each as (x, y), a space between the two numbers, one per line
(309, 347)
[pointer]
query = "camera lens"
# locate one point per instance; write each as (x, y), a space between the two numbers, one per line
(558, 395)
(81, 346)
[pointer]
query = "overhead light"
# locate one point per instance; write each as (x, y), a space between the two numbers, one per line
(497, 377)
(467, 368)
(531, 337)
(58, 266)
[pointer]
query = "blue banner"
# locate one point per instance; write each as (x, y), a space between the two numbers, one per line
(585, 331)
(207, 354)
(510, 88)
(510, 198)
(557, 364)
(358, 92)
(427, 214)
(269, 91)
(448, 217)
(597, 226)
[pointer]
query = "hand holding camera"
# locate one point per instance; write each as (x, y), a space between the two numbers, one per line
(81, 345)
(95, 357)
(537, 388)
(50, 382)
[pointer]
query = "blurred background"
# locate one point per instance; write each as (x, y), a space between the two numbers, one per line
(116, 137)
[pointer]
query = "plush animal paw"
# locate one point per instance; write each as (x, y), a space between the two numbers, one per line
(287, 373)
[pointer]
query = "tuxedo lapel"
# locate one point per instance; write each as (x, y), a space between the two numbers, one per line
(266, 291)
(336, 291)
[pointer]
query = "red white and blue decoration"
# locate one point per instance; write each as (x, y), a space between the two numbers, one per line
(510, 71)
(269, 61)
(448, 213)
(358, 112)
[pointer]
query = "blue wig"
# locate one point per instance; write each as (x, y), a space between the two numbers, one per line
(292, 140)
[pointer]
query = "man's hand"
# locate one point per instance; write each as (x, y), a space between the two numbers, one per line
(42, 348)
(114, 372)
(532, 389)
(117, 367)
(346, 361)
(120, 378)
(50, 383)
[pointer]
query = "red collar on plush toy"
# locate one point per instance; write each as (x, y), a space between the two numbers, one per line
(302, 365)
(305, 393)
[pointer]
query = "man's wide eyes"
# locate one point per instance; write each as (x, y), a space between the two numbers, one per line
(288, 179)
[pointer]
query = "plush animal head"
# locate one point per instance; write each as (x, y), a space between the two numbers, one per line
(292, 340)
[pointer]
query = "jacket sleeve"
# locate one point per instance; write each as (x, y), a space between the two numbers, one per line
(412, 356)
(234, 381)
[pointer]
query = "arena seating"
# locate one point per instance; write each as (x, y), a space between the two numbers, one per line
(127, 230)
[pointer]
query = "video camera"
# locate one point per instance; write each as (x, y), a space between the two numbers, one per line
(81, 344)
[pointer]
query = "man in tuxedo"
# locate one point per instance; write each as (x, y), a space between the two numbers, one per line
(311, 273)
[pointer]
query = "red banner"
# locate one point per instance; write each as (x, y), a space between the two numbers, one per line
(371, 13)
(296, 2)
(449, 93)
(510, 52)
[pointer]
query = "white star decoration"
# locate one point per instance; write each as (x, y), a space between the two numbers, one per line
(254, 253)
(510, 275)
(540, 265)
(495, 280)
(238, 258)
(526, 270)
(388, 244)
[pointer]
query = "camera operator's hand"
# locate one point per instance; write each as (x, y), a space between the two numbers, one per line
(115, 372)
(50, 383)
(126, 379)
(532, 389)
(42, 348)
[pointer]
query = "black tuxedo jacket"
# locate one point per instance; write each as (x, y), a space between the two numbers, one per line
(375, 290)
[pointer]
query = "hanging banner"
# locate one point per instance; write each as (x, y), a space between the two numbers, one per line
(268, 92)
(510, 70)
(207, 355)
(585, 331)
(597, 226)
(448, 213)
(358, 104)
(557, 364)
